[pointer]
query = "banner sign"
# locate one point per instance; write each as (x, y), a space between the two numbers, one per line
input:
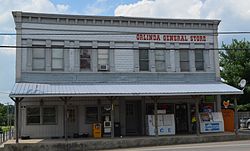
(171, 37)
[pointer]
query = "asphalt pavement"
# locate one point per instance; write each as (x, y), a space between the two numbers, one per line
(218, 146)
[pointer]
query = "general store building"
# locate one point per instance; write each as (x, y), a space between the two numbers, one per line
(73, 71)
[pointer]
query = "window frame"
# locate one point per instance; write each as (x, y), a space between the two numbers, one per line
(39, 48)
(142, 60)
(184, 61)
(201, 60)
(87, 119)
(57, 58)
(38, 115)
(100, 59)
(89, 52)
(55, 114)
(41, 115)
(159, 60)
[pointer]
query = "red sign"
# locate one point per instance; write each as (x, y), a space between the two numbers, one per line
(171, 37)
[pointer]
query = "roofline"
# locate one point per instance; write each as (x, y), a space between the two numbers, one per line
(127, 94)
(54, 15)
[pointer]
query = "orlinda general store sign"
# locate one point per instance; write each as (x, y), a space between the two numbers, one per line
(171, 37)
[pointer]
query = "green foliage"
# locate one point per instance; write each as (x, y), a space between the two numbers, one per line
(235, 65)
(4, 115)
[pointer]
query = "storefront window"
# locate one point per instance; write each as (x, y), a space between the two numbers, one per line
(57, 59)
(33, 115)
(143, 60)
(160, 61)
(85, 59)
(38, 59)
(184, 60)
(199, 60)
(49, 115)
(91, 115)
(41, 115)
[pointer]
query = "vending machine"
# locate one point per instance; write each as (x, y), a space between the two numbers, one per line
(107, 126)
(97, 130)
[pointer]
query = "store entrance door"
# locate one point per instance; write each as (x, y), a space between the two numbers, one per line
(72, 121)
(181, 118)
(132, 118)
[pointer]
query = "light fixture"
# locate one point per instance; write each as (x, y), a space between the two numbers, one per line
(242, 83)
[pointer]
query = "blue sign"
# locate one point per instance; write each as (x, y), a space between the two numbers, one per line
(212, 126)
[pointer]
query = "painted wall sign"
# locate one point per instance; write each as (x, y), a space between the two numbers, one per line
(171, 37)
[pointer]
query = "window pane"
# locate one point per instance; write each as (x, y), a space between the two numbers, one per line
(160, 60)
(143, 60)
(144, 65)
(57, 64)
(143, 54)
(184, 66)
(33, 115)
(57, 53)
(38, 53)
(85, 59)
(160, 66)
(184, 55)
(199, 62)
(38, 64)
(103, 56)
(199, 65)
(49, 115)
(184, 60)
(91, 114)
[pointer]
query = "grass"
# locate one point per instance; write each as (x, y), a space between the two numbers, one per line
(6, 128)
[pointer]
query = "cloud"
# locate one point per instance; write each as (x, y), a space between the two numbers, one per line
(6, 19)
(234, 15)
(96, 8)
(161, 8)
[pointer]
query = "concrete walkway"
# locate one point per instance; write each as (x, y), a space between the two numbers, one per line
(125, 142)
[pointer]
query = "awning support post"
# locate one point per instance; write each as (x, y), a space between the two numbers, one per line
(65, 119)
(155, 98)
(236, 120)
(197, 117)
(17, 101)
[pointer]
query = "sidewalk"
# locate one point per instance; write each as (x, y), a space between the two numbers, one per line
(125, 142)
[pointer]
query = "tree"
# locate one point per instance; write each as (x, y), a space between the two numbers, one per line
(235, 65)
(4, 115)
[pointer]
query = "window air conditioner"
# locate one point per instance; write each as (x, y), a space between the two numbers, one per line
(102, 67)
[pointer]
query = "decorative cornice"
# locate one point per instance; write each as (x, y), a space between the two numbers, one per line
(41, 18)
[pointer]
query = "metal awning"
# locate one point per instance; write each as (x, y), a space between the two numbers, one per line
(64, 90)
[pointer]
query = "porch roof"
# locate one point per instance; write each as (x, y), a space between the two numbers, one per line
(66, 90)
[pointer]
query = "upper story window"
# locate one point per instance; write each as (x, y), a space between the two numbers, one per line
(85, 59)
(57, 59)
(103, 59)
(38, 59)
(184, 60)
(160, 64)
(143, 60)
(199, 60)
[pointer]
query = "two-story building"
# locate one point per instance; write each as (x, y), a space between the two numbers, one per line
(73, 71)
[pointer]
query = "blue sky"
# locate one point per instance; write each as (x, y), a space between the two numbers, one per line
(234, 16)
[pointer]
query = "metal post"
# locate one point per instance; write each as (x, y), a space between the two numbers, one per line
(156, 116)
(112, 119)
(17, 118)
(236, 120)
(65, 120)
(197, 117)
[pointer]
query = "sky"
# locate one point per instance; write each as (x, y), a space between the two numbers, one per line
(234, 16)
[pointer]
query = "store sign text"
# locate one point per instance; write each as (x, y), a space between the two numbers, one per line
(171, 37)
